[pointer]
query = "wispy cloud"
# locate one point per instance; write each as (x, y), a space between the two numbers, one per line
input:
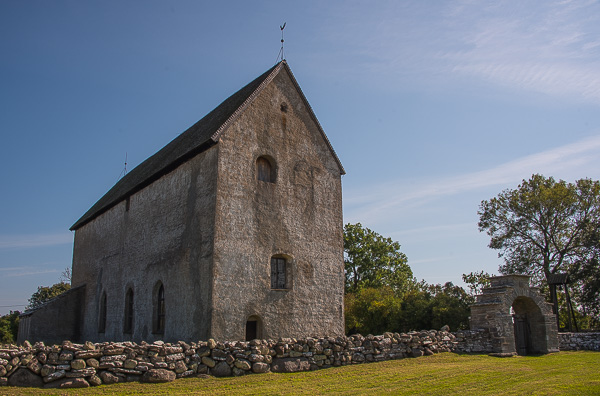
(36, 240)
(446, 228)
(389, 198)
(28, 270)
(550, 47)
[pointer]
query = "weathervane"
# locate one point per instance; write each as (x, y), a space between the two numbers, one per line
(281, 55)
(124, 171)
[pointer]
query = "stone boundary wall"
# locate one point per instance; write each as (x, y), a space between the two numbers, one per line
(579, 341)
(82, 365)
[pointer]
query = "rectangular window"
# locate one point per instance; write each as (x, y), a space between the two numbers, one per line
(278, 272)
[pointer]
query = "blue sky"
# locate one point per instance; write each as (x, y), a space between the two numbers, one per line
(431, 106)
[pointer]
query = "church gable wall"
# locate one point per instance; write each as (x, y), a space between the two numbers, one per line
(162, 233)
(296, 219)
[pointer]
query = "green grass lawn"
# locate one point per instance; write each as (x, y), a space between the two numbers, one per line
(565, 373)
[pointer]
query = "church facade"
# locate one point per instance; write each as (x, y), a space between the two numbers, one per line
(232, 231)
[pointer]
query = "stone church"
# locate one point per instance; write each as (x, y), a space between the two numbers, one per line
(232, 231)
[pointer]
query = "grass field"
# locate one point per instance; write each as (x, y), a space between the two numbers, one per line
(565, 373)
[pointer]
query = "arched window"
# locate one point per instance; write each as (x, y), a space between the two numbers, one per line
(265, 171)
(128, 319)
(159, 309)
(278, 273)
(102, 314)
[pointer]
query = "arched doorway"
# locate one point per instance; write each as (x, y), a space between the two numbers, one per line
(529, 327)
(253, 328)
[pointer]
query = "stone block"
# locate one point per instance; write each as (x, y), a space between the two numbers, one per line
(158, 375)
(24, 377)
(68, 383)
(290, 365)
(221, 369)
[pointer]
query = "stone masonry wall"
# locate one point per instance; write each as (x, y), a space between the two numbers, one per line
(81, 365)
(579, 341)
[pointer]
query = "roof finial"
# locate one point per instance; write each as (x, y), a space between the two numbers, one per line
(124, 171)
(281, 55)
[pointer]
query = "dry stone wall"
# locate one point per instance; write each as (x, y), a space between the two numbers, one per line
(579, 341)
(82, 365)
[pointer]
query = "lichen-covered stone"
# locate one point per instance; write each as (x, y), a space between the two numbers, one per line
(290, 365)
(260, 367)
(92, 363)
(78, 364)
(68, 383)
(55, 376)
(208, 362)
(108, 377)
(243, 364)
(34, 366)
(130, 364)
(180, 367)
(158, 375)
(94, 380)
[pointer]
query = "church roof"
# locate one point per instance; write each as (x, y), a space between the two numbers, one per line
(196, 139)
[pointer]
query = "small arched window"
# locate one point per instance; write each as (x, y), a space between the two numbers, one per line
(159, 309)
(102, 314)
(128, 319)
(265, 171)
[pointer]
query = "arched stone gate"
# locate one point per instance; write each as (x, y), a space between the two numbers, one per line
(518, 318)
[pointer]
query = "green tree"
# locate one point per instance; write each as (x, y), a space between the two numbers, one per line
(546, 226)
(45, 293)
(9, 327)
(373, 261)
(476, 281)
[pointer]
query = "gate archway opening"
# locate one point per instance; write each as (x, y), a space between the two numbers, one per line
(529, 327)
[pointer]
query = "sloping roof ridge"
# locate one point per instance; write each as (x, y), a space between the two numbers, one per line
(249, 99)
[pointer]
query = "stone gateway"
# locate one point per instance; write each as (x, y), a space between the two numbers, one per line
(517, 317)
(232, 231)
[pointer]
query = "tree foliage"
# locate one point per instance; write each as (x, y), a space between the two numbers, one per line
(450, 305)
(543, 226)
(476, 281)
(373, 261)
(45, 293)
(9, 327)
(372, 311)
(546, 226)
(377, 310)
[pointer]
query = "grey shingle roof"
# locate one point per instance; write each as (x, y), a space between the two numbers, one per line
(196, 139)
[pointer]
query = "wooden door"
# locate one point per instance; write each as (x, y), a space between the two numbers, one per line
(522, 333)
